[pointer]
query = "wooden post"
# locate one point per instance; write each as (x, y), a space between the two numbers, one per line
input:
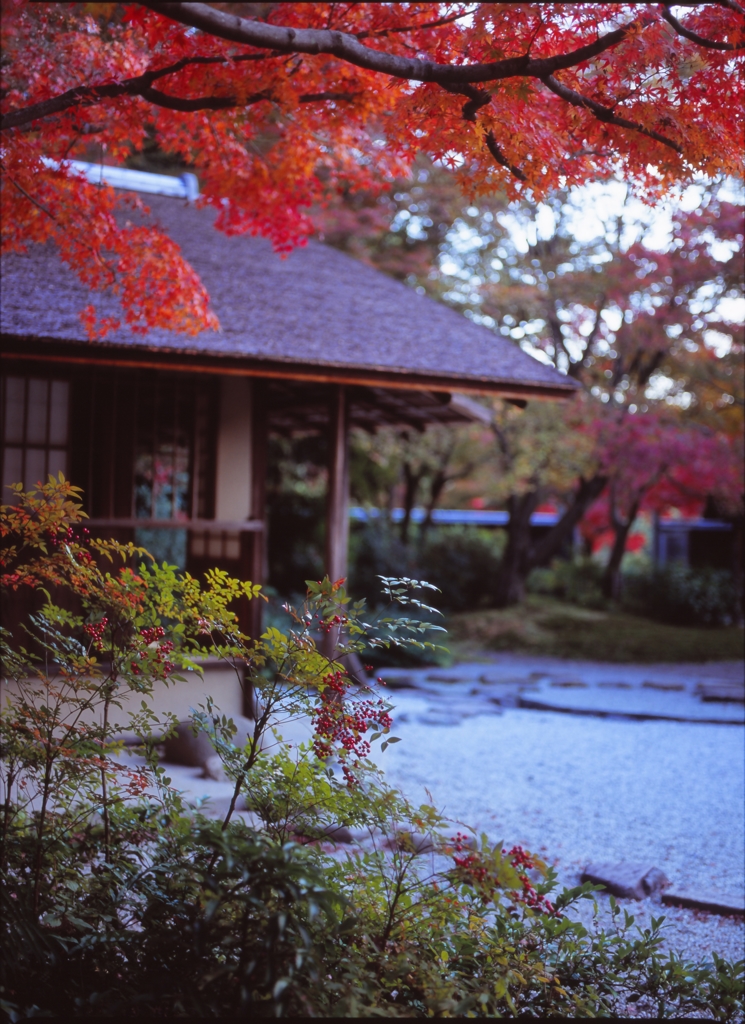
(337, 506)
(337, 515)
(253, 544)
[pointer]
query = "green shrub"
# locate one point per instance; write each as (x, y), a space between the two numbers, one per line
(462, 562)
(577, 581)
(119, 900)
(682, 595)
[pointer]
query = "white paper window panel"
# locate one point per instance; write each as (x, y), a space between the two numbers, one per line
(36, 412)
(58, 412)
(12, 472)
(14, 409)
(35, 468)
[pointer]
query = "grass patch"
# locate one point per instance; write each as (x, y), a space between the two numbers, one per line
(546, 626)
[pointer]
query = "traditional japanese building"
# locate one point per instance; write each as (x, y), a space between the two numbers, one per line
(167, 432)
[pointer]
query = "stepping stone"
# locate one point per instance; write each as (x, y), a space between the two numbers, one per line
(615, 686)
(586, 705)
(400, 682)
(629, 881)
(701, 901)
(651, 684)
(440, 677)
(438, 718)
(721, 690)
(570, 684)
(491, 680)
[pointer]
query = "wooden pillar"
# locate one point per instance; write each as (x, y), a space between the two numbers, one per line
(337, 512)
(337, 502)
(253, 564)
(255, 543)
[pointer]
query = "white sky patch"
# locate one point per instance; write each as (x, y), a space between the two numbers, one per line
(613, 318)
(719, 343)
(732, 309)
(537, 353)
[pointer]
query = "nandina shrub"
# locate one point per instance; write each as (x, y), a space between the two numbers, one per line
(120, 900)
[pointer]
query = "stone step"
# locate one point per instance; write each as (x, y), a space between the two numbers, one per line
(730, 904)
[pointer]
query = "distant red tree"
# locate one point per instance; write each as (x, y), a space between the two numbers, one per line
(653, 462)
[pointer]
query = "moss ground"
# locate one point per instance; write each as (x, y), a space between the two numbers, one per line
(546, 626)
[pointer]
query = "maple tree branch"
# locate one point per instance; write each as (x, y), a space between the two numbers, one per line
(348, 47)
(603, 113)
(414, 28)
(733, 6)
(185, 105)
(478, 98)
(493, 147)
(40, 206)
(85, 96)
(711, 44)
(163, 99)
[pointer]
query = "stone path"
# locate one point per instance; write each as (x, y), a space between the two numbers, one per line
(668, 692)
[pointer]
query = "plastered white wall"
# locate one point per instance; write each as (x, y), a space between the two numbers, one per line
(218, 680)
(233, 476)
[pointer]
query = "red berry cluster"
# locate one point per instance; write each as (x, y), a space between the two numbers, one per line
(522, 862)
(57, 537)
(151, 634)
(95, 631)
(477, 872)
(326, 625)
(340, 729)
(470, 862)
(163, 667)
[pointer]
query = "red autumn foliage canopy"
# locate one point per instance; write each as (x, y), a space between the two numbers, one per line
(277, 106)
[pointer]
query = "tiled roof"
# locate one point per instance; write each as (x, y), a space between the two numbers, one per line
(316, 308)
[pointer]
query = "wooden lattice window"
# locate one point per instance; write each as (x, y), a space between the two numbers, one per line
(36, 425)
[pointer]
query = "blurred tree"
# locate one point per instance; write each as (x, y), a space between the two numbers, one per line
(648, 324)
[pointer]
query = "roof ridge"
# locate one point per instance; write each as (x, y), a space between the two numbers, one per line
(185, 186)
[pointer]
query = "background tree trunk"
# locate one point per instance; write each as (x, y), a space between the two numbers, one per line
(411, 489)
(612, 580)
(521, 555)
(510, 587)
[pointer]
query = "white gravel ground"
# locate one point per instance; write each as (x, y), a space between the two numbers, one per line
(579, 789)
(583, 789)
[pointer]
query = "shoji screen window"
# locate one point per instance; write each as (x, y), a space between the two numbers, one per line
(35, 418)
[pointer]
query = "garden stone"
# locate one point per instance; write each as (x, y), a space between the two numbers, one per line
(322, 833)
(213, 769)
(186, 748)
(195, 751)
(337, 833)
(628, 881)
(412, 842)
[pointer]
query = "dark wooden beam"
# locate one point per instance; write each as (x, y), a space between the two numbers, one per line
(73, 353)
